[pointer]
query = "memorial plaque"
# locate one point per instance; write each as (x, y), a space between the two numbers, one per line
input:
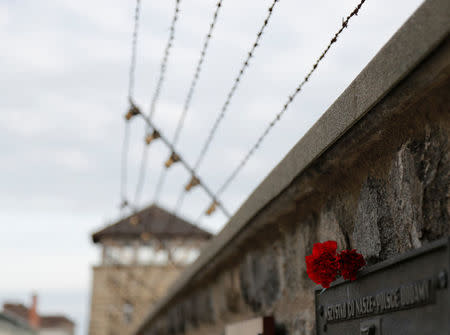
(406, 295)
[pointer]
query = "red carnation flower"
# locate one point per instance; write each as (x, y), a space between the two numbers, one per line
(322, 265)
(349, 263)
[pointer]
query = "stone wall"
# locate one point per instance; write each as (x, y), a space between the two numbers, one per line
(381, 184)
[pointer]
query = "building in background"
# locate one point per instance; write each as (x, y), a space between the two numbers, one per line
(141, 256)
(20, 319)
(11, 325)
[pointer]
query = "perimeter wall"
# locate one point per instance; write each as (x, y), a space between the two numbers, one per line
(373, 174)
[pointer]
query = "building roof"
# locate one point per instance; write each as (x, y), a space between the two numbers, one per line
(16, 322)
(21, 312)
(152, 220)
(17, 310)
(55, 321)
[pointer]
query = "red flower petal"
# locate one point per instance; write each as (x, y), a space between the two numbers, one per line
(350, 262)
(322, 265)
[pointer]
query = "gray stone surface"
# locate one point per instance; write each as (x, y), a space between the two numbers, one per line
(433, 169)
(405, 198)
(260, 279)
(372, 214)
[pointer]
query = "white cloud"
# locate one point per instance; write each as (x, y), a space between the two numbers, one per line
(4, 15)
(46, 271)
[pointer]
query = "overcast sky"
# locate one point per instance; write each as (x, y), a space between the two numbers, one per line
(63, 84)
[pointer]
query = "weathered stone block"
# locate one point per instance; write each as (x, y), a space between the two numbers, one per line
(372, 213)
(432, 163)
(260, 279)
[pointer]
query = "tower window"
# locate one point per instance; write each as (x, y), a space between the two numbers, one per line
(127, 312)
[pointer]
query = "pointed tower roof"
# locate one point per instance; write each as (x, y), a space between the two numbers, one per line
(152, 220)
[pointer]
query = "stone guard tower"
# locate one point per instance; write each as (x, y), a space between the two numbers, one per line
(141, 256)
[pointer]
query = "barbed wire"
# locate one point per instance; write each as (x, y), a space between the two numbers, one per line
(163, 66)
(155, 97)
(278, 116)
(183, 162)
(124, 161)
(230, 95)
(197, 72)
(141, 175)
(234, 87)
(188, 99)
(131, 81)
(288, 102)
(159, 185)
(134, 40)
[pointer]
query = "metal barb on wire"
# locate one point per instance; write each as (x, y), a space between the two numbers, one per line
(235, 85)
(288, 102)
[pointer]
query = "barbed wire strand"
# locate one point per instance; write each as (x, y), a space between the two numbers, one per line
(124, 161)
(159, 185)
(188, 99)
(131, 81)
(141, 175)
(197, 72)
(165, 59)
(288, 102)
(236, 82)
(155, 98)
(134, 40)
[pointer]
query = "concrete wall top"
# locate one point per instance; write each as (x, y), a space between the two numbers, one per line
(410, 45)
